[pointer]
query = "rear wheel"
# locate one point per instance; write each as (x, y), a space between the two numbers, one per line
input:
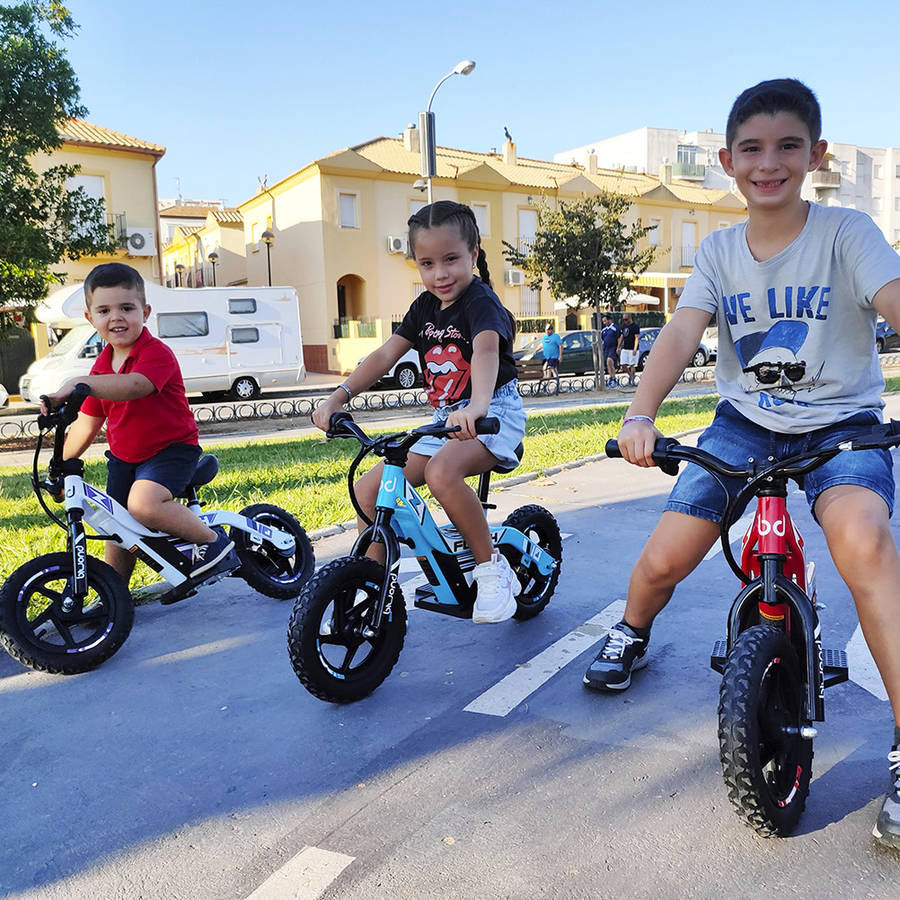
(245, 388)
(335, 652)
(265, 567)
(765, 762)
(536, 589)
(44, 629)
(699, 358)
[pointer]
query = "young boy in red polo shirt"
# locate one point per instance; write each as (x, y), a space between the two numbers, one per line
(137, 388)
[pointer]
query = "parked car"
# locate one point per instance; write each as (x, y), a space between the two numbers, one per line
(706, 352)
(885, 336)
(405, 373)
(577, 356)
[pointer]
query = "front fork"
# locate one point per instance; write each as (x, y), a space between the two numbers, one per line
(380, 532)
(78, 548)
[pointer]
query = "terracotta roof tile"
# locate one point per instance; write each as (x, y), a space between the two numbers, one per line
(76, 131)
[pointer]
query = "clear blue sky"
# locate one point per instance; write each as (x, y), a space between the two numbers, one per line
(236, 90)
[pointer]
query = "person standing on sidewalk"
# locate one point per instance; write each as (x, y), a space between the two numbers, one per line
(609, 338)
(628, 345)
(551, 347)
(797, 289)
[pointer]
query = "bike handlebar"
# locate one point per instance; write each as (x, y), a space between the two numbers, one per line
(342, 425)
(68, 412)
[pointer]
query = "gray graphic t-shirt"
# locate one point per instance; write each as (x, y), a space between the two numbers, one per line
(797, 331)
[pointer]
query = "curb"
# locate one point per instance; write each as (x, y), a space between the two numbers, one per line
(332, 530)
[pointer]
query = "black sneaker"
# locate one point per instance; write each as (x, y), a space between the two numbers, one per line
(217, 557)
(887, 826)
(621, 653)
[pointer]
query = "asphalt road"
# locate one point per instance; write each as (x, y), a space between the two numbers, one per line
(194, 765)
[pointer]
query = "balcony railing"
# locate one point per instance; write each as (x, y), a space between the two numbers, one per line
(688, 171)
(822, 178)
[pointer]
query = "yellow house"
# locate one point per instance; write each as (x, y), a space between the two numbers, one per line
(336, 231)
(120, 170)
(211, 253)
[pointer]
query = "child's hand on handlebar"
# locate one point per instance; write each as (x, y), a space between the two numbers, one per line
(465, 419)
(49, 402)
(637, 440)
(322, 415)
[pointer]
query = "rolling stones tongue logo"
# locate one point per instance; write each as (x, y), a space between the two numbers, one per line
(446, 374)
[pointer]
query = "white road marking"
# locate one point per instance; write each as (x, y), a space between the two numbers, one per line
(862, 667)
(305, 877)
(507, 694)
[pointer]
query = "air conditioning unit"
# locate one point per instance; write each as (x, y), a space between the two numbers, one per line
(397, 245)
(140, 242)
(515, 277)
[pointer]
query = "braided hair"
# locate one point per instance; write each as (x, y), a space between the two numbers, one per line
(448, 212)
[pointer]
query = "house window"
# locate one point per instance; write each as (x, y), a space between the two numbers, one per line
(897, 171)
(653, 233)
(876, 204)
(93, 186)
(347, 210)
(244, 335)
(241, 305)
(897, 204)
(878, 170)
(531, 301)
(528, 223)
(415, 206)
(182, 324)
(686, 154)
(254, 237)
(482, 218)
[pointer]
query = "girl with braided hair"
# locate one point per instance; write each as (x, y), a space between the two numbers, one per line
(464, 337)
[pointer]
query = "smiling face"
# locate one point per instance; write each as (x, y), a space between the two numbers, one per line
(444, 261)
(769, 158)
(118, 315)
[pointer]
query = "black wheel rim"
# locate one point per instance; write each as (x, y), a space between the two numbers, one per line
(342, 647)
(779, 721)
(276, 566)
(44, 620)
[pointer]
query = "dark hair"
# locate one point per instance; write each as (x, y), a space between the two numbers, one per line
(772, 97)
(448, 212)
(114, 275)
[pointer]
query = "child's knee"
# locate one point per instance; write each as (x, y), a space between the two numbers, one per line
(442, 478)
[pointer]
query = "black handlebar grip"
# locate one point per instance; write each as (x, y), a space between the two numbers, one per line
(335, 422)
(487, 425)
(660, 454)
(79, 393)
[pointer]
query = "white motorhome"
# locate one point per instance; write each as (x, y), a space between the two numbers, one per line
(234, 340)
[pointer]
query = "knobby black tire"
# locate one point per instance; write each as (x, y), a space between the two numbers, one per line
(263, 567)
(330, 656)
(761, 694)
(35, 630)
(536, 590)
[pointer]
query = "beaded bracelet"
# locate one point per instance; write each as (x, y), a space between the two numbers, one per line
(628, 419)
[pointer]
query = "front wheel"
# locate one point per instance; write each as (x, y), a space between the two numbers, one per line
(43, 628)
(766, 763)
(336, 653)
(263, 566)
(536, 589)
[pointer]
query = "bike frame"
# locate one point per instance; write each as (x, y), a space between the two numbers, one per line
(402, 516)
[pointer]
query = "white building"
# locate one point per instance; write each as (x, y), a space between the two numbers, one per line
(863, 178)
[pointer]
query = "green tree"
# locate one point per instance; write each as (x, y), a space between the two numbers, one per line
(586, 253)
(41, 221)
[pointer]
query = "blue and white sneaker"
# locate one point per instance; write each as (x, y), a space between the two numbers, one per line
(216, 557)
(887, 826)
(621, 653)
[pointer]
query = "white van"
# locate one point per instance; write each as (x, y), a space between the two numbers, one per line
(234, 340)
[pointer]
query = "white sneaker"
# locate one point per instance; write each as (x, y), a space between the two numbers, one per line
(495, 600)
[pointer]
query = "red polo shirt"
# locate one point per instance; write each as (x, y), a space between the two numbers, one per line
(139, 429)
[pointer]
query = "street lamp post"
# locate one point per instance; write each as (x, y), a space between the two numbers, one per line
(213, 259)
(426, 126)
(268, 239)
(179, 268)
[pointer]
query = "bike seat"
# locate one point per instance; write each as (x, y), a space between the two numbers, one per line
(207, 469)
(504, 469)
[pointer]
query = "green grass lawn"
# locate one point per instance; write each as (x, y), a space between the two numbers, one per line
(307, 476)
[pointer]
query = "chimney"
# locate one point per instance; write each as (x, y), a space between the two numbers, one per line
(592, 163)
(411, 138)
(665, 172)
(509, 153)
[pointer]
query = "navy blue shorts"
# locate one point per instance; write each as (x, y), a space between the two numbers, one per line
(173, 467)
(734, 438)
(553, 364)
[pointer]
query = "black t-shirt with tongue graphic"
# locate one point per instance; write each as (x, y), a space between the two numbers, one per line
(444, 340)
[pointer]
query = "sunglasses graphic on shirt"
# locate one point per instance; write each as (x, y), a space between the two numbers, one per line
(770, 373)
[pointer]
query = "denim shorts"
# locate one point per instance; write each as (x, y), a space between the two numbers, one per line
(173, 467)
(734, 439)
(506, 405)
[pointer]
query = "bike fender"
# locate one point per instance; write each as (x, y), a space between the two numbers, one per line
(531, 552)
